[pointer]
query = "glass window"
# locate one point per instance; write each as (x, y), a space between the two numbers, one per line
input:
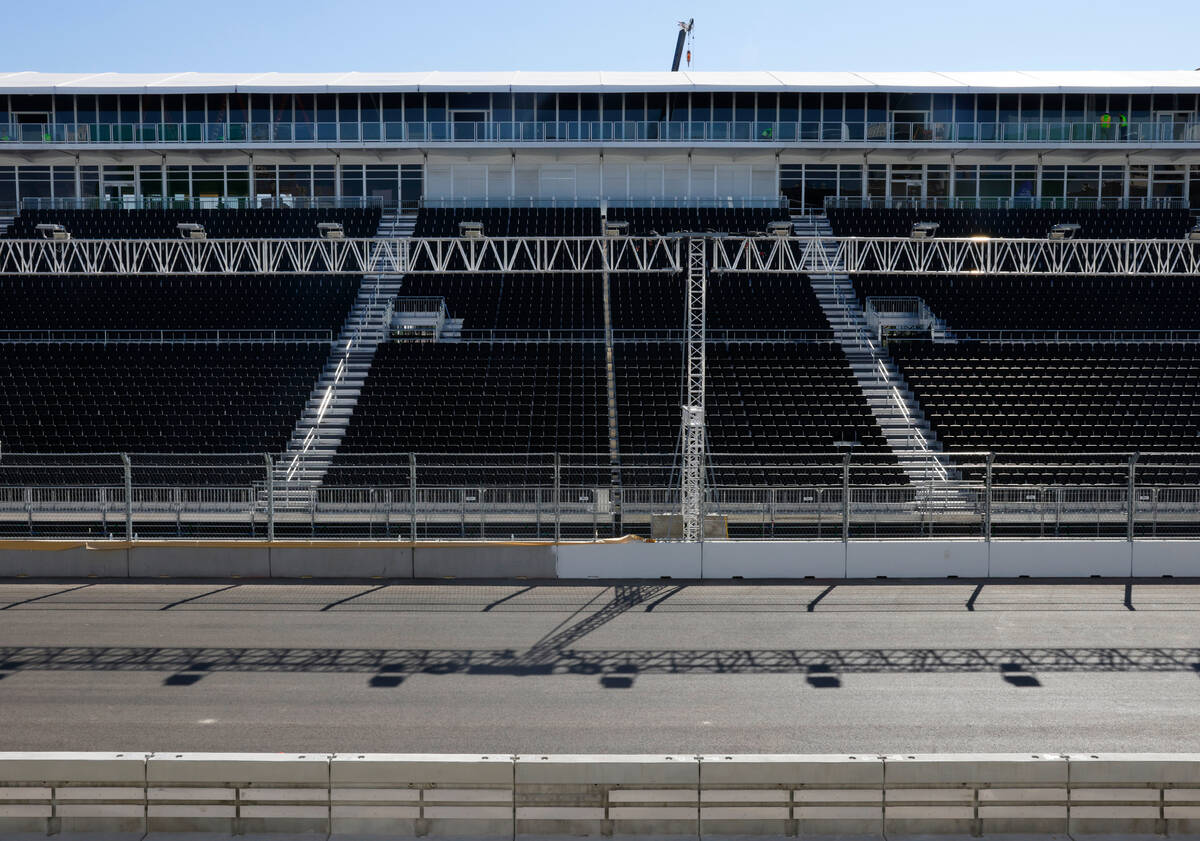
(237, 181)
(32, 104)
(722, 107)
(911, 101)
(149, 181)
(382, 182)
(393, 107)
(832, 110)
(64, 181)
(547, 111)
(1031, 107)
(414, 107)
(89, 181)
(1008, 108)
(324, 181)
(1112, 182)
(294, 180)
(348, 107)
(680, 108)
(744, 107)
(789, 107)
(964, 108)
(34, 182)
(326, 108)
(702, 107)
(85, 108)
(612, 108)
(260, 108)
(352, 180)
(966, 181)
(568, 107)
(524, 107)
(589, 107)
(64, 109)
(1075, 106)
(193, 108)
(985, 108)
(768, 108)
(1083, 182)
(850, 180)
(937, 181)
(237, 107)
(1139, 108)
(502, 107)
(1139, 181)
(810, 108)
(877, 108)
(208, 181)
(1054, 182)
(8, 187)
(177, 181)
(305, 108)
(656, 107)
(943, 107)
(107, 109)
(1052, 106)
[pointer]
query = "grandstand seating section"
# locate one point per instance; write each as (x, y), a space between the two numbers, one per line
(1005, 302)
(172, 398)
(1029, 398)
(515, 301)
(192, 302)
(515, 222)
(665, 220)
(218, 224)
(1032, 224)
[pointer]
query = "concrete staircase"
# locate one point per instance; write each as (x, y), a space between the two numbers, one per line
(892, 403)
(326, 416)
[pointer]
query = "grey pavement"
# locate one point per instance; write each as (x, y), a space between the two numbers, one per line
(656, 667)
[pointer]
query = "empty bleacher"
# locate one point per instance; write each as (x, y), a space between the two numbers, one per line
(181, 302)
(1005, 302)
(1031, 224)
(78, 398)
(772, 403)
(511, 222)
(468, 397)
(515, 301)
(1058, 398)
(218, 223)
(646, 221)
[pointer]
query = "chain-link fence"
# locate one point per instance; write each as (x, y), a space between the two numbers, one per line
(405, 496)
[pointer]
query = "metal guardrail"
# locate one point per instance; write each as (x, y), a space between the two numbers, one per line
(1004, 203)
(492, 496)
(282, 202)
(726, 202)
(160, 337)
(604, 131)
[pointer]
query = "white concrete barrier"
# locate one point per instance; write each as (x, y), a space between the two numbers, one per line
(1177, 558)
(916, 558)
(1135, 794)
(972, 795)
(490, 798)
(580, 795)
(774, 559)
(629, 560)
(1060, 558)
(53, 793)
(422, 795)
(782, 795)
(238, 794)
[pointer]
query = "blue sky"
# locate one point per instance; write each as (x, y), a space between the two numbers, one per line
(338, 35)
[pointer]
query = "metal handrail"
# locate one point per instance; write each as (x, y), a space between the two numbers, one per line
(1004, 203)
(165, 336)
(603, 131)
(142, 202)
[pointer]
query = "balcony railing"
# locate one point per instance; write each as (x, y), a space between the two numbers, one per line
(1006, 203)
(740, 132)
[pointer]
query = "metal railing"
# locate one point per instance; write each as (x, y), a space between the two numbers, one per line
(604, 131)
(492, 496)
(731, 202)
(1005, 203)
(165, 337)
(277, 202)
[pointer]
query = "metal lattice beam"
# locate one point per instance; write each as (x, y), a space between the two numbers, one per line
(902, 255)
(347, 256)
(692, 420)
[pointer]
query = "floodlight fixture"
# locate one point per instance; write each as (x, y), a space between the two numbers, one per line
(49, 230)
(191, 230)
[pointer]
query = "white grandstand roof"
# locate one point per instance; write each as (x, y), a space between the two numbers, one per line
(1034, 81)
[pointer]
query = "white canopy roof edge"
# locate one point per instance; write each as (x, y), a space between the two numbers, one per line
(1033, 81)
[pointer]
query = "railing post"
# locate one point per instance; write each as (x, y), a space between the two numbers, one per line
(557, 497)
(1132, 507)
(846, 497)
(270, 465)
(412, 496)
(987, 499)
(128, 496)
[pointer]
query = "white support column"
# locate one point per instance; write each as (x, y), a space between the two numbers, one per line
(692, 421)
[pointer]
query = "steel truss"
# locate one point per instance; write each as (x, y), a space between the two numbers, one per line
(902, 255)
(692, 421)
(347, 256)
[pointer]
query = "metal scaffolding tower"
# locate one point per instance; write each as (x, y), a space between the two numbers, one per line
(692, 433)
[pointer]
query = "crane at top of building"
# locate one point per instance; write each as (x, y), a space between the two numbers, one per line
(685, 29)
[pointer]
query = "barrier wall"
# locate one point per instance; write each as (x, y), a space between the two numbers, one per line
(623, 559)
(534, 796)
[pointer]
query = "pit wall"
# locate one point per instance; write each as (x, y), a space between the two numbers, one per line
(625, 558)
(557, 796)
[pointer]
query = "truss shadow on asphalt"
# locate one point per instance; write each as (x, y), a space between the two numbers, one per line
(546, 661)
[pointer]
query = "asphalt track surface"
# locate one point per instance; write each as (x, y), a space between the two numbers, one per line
(659, 667)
